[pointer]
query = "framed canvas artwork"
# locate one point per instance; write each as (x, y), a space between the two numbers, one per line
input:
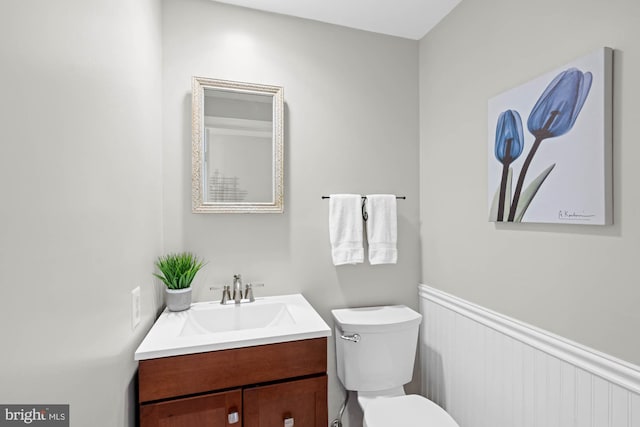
(549, 148)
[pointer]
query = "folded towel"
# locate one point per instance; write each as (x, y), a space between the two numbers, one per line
(345, 228)
(382, 228)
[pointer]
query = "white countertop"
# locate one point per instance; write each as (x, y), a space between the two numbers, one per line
(167, 336)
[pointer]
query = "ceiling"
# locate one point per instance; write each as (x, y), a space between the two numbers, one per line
(410, 19)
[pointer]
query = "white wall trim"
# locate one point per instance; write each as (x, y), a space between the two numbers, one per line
(607, 367)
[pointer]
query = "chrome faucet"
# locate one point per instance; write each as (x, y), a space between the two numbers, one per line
(238, 295)
(237, 288)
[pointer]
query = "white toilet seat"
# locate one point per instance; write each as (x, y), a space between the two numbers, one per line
(407, 411)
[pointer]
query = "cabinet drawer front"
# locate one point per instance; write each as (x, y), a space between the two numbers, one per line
(302, 402)
(197, 373)
(210, 410)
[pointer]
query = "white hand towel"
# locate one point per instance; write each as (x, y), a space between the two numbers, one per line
(345, 228)
(382, 228)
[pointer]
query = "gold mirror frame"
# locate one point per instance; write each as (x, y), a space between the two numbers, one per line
(199, 204)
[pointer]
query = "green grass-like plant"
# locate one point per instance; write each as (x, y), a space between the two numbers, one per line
(178, 269)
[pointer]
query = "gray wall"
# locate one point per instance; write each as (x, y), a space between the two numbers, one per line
(81, 200)
(576, 281)
(85, 128)
(351, 125)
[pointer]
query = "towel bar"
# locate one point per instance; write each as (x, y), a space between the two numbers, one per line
(364, 197)
(365, 215)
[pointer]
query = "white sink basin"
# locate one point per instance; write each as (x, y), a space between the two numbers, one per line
(209, 326)
(210, 318)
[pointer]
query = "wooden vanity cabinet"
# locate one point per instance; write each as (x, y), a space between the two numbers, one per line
(303, 402)
(273, 385)
(206, 410)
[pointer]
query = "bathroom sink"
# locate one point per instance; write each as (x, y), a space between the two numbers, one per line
(211, 326)
(212, 318)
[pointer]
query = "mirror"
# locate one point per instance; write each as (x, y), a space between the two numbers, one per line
(237, 147)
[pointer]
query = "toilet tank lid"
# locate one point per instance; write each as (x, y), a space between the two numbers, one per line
(384, 317)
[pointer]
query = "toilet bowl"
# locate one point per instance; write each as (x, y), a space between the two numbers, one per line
(406, 411)
(375, 354)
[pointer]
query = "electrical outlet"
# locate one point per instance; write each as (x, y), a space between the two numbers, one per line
(135, 307)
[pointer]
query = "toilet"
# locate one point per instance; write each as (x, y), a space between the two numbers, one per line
(375, 353)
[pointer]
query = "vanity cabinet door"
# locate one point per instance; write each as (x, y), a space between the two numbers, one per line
(300, 403)
(210, 410)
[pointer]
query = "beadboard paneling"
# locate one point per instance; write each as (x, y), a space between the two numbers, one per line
(488, 370)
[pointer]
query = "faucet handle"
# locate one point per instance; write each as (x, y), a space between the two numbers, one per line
(226, 293)
(248, 290)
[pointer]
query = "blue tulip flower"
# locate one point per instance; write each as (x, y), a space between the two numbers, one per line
(553, 115)
(559, 105)
(509, 137)
(509, 146)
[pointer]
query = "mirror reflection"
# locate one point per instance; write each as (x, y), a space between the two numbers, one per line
(237, 147)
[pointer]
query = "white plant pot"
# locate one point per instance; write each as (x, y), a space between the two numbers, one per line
(178, 299)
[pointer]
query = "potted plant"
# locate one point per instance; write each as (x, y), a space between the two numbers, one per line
(178, 271)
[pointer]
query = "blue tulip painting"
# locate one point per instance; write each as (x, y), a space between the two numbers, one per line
(560, 160)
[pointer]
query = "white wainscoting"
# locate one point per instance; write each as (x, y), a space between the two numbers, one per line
(488, 370)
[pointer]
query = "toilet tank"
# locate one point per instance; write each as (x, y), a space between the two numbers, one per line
(375, 346)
